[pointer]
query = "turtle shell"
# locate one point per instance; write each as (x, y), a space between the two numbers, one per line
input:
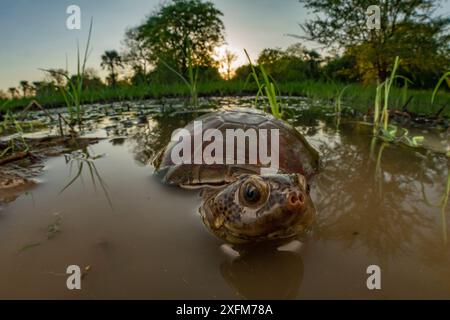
(296, 155)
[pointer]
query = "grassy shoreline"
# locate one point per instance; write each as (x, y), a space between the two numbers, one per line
(356, 96)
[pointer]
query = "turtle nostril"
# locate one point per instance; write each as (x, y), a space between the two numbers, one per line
(293, 199)
(296, 200)
(301, 198)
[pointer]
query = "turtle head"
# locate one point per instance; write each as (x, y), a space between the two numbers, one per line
(258, 208)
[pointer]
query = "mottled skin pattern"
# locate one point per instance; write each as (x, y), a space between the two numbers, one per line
(284, 209)
(281, 206)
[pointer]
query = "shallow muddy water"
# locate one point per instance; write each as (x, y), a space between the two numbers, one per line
(102, 209)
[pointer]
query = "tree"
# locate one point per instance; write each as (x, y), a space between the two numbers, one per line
(56, 77)
(408, 29)
(43, 88)
(137, 54)
(227, 62)
(183, 34)
(269, 57)
(25, 87)
(91, 79)
(13, 92)
(111, 61)
(293, 64)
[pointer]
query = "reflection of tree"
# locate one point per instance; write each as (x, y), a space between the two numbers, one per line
(373, 201)
(265, 274)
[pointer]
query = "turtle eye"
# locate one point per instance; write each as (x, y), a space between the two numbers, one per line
(251, 193)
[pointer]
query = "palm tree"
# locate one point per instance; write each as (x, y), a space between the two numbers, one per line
(25, 86)
(111, 61)
(12, 92)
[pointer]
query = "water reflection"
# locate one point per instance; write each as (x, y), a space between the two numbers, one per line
(440, 203)
(377, 204)
(368, 193)
(264, 273)
(84, 161)
(373, 198)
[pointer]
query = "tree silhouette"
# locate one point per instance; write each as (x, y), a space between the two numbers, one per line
(13, 92)
(25, 87)
(111, 61)
(227, 62)
(137, 53)
(57, 77)
(183, 33)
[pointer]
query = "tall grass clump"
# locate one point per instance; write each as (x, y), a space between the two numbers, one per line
(338, 106)
(381, 126)
(16, 143)
(266, 86)
(72, 92)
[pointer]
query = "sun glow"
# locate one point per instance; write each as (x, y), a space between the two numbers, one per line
(228, 59)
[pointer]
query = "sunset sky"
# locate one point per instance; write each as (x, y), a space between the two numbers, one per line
(33, 32)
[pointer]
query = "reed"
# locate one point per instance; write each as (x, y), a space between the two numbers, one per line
(445, 77)
(267, 86)
(381, 126)
(72, 92)
(17, 142)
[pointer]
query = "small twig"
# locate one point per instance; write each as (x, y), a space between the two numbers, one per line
(35, 103)
(60, 125)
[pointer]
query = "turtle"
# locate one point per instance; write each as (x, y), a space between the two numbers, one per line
(242, 203)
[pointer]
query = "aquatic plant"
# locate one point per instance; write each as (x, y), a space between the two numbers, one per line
(445, 77)
(413, 142)
(358, 98)
(338, 106)
(266, 86)
(17, 142)
(72, 92)
(381, 126)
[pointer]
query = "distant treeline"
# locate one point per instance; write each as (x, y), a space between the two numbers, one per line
(176, 45)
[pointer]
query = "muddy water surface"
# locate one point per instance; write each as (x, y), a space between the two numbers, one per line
(102, 209)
